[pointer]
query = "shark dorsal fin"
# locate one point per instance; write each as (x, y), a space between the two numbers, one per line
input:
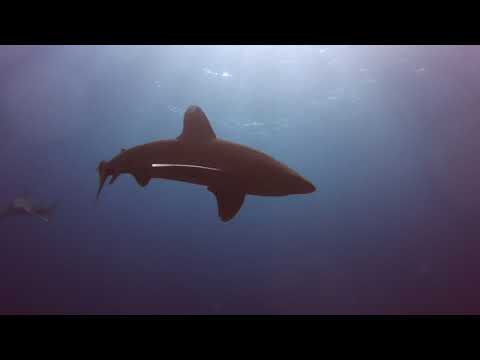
(196, 126)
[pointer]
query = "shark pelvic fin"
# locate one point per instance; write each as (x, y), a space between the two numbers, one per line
(229, 201)
(141, 178)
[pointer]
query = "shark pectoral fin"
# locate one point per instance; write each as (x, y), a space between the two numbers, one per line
(142, 178)
(229, 201)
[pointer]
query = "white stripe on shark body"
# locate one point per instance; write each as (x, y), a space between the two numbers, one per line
(188, 166)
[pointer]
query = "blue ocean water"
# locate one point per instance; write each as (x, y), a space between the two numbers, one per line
(387, 134)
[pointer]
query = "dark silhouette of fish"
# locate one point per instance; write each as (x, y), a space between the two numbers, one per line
(197, 156)
(23, 206)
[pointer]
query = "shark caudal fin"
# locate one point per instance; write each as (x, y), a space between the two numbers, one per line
(103, 173)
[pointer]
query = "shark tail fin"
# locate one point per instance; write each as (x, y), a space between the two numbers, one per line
(103, 173)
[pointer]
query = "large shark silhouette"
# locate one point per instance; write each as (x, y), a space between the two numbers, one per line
(229, 170)
(23, 205)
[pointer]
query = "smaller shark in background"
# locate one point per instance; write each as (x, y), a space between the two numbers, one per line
(23, 205)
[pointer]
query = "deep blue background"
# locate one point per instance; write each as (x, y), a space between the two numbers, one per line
(388, 134)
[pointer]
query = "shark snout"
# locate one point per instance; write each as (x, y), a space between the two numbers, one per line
(299, 185)
(305, 187)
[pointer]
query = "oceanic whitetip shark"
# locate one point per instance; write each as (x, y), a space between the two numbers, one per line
(197, 156)
(24, 206)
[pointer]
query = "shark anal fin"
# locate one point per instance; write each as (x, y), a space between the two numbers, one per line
(196, 126)
(229, 201)
(142, 179)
